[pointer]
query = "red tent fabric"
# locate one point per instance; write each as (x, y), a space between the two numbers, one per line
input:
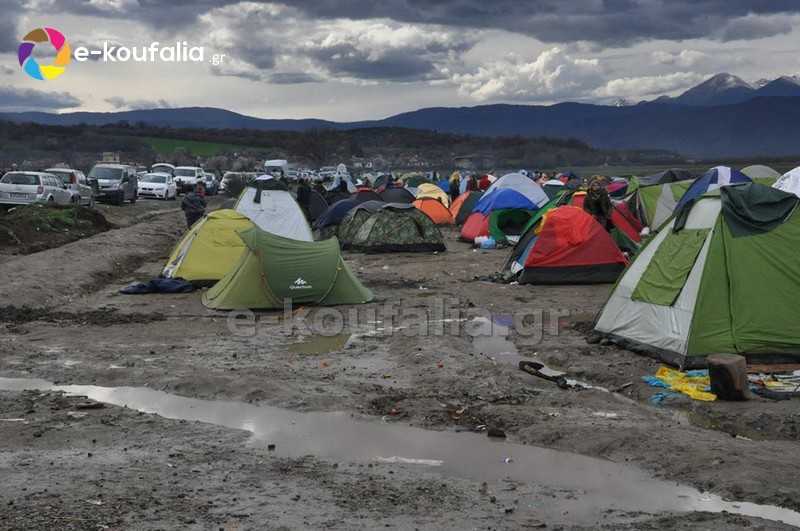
(620, 221)
(572, 248)
(476, 225)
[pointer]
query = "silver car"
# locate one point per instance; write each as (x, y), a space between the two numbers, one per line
(76, 183)
(26, 187)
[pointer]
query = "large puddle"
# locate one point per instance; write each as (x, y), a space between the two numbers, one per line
(595, 485)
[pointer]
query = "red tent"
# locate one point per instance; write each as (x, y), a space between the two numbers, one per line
(572, 248)
(477, 224)
(622, 222)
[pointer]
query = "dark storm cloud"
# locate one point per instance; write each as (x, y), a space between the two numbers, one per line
(9, 32)
(399, 64)
(15, 99)
(606, 22)
(122, 103)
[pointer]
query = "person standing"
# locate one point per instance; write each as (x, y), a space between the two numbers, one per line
(194, 204)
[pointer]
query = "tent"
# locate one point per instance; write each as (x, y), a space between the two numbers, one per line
(617, 188)
(761, 174)
(720, 278)
(380, 182)
(711, 180)
(553, 187)
(789, 182)
(510, 192)
(354, 219)
(274, 210)
(531, 230)
(435, 210)
(522, 185)
(398, 228)
(623, 221)
(397, 194)
(364, 195)
(209, 249)
(335, 213)
(569, 247)
(427, 190)
(413, 180)
(462, 207)
(665, 177)
(274, 269)
(653, 205)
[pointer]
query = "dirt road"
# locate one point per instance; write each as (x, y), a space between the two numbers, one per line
(370, 381)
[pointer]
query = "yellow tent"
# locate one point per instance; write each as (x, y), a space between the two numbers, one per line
(431, 190)
(210, 249)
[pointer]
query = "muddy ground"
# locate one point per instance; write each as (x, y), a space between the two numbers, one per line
(66, 467)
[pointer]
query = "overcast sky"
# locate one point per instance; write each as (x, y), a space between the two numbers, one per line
(356, 59)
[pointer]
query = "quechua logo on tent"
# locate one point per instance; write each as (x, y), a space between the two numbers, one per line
(300, 283)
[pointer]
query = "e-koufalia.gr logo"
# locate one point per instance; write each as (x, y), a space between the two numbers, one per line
(41, 36)
(106, 52)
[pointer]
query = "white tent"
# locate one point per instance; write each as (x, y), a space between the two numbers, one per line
(789, 182)
(523, 185)
(276, 212)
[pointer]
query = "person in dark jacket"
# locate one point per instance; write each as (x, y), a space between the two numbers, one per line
(597, 203)
(194, 204)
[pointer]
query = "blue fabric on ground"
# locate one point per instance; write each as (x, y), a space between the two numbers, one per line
(158, 285)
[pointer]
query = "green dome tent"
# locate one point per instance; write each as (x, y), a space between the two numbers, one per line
(654, 205)
(721, 277)
(273, 269)
(761, 174)
(398, 228)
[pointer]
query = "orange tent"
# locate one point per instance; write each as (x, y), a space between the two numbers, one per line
(434, 210)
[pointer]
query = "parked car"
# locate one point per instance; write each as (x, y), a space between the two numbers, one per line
(211, 182)
(187, 177)
(158, 186)
(116, 183)
(26, 187)
(163, 167)
(77, 184)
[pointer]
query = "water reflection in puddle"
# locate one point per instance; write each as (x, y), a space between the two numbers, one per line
(598, 485)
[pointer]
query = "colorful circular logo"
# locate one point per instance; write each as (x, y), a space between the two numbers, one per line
(31, 66)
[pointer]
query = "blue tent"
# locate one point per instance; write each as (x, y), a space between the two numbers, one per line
(713, 179)
(444, 184)
(335, 213)
(501, 199)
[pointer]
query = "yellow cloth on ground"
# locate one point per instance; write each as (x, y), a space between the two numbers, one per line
(693, 386)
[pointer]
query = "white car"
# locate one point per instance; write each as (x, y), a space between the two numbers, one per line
(158, 186)
(187, 177)
(26, 187)
(76, 183)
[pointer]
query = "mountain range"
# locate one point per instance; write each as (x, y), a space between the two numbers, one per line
(727, 89)
(722, 117)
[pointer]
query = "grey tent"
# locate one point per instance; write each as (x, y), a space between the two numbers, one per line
(666, 177)
(397, 195)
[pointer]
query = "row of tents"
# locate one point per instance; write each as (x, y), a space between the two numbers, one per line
(261, 253)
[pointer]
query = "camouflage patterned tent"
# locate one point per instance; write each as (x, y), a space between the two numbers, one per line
(398, 228)
(349, 226)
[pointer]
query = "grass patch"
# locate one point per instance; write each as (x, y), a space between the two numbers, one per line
(166, 146)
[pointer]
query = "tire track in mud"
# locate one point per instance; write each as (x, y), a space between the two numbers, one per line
(57, 276)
